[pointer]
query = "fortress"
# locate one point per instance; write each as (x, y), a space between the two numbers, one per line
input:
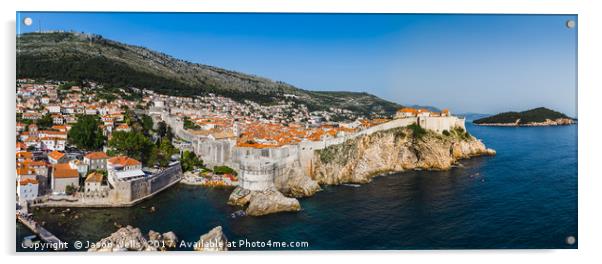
(260, 168)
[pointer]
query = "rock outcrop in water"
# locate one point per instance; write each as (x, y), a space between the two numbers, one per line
(359, 160)
(215, 240)
(169, 240)
(125, 239)
(131, 239)
(263, 202)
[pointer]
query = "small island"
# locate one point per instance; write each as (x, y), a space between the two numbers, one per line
(540, 116)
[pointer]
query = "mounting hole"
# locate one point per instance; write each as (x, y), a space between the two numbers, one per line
(570, 23)
(27, 21)
(571, 240)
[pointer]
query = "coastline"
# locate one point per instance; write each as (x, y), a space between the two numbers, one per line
(360, 159)
(547, 122)
(523, 125)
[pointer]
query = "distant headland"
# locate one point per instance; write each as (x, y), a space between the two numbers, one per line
(540, 116)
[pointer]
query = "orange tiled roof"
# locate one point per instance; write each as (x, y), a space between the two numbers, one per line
(64, 171)
(30, 163)
(24, 154)
(25, 171)
(28, 181)
(124, 161)
(265, 135)
(59, 127)
(408, 110)
(21, 145)
(97, 155)
(56, 155)
(94, 177)
(50, 133)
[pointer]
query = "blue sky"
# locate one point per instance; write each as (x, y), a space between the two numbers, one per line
(468, 63)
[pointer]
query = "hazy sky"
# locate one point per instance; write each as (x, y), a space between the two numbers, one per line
(468, 63)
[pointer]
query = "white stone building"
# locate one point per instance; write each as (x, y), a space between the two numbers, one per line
(93, 182)
(27, 189)
(123, 168)
(62, 176)
(96, 160)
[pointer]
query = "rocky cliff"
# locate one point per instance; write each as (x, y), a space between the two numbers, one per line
(295, 183)
(359, 160)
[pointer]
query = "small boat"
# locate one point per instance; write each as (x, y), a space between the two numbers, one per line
(238, 213)
(352, 185)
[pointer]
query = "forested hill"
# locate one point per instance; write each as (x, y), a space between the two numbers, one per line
(77, 56)
(535, 115)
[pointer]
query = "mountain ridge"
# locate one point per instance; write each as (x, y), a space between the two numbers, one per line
(80, 56)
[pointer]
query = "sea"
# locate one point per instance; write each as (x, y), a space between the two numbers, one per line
(525, 197)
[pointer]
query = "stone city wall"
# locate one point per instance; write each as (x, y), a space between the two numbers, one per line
(259, 168)
(128, 191)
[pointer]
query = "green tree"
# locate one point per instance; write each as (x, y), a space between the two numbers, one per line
(190, 160)
(162, 129)
(189, 124)
(134, 145)
(147, 123)
(70, 189)
(166, 150)
(224, 170)
(86, 133)
(417, 131)
(45, 121)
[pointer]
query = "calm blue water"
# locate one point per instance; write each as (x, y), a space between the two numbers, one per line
(525, 197)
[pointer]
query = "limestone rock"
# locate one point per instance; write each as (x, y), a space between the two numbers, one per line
(131, 239)
(154, 236)
(125, 239)
(271, 201)
(170, 240)
(295, 183)
(215, 240)
(263, 202)
(239, 197)
(358, 160)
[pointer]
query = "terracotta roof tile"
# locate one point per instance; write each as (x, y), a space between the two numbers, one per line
(56, 155)
(97, 155)
(64, 171)
(94, 177)
(123, 161)
(28, 181)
